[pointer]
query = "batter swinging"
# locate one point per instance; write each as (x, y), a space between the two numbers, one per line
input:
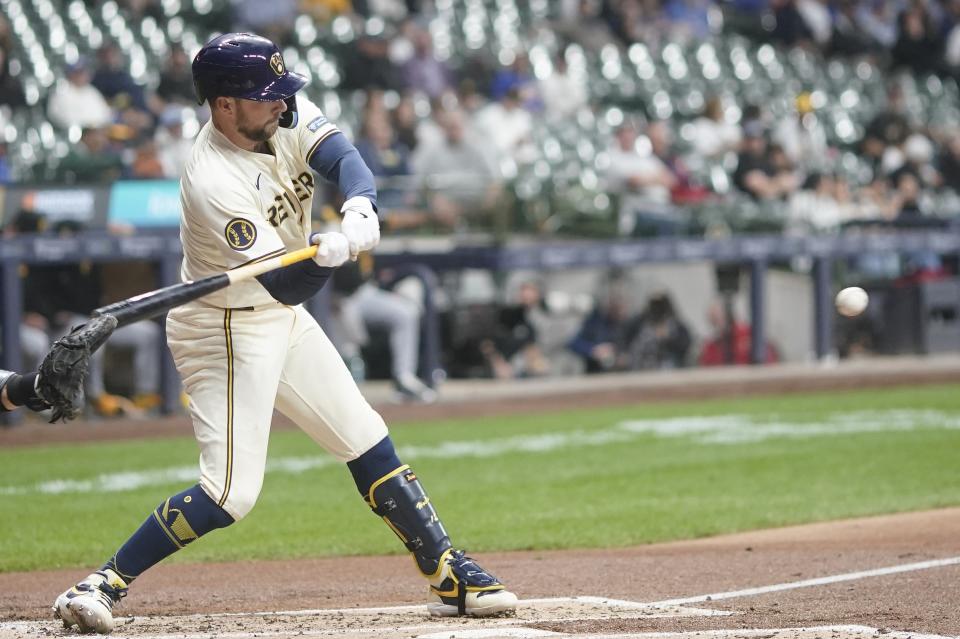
(246, 195)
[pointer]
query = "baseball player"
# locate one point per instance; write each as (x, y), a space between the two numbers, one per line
(246, 194)
(19, 390)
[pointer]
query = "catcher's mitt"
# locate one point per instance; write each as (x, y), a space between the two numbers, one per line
(65, 366)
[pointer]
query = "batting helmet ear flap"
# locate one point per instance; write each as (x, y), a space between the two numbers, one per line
(198, 90)
(288, 119)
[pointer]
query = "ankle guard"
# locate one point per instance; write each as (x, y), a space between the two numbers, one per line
(399, 498)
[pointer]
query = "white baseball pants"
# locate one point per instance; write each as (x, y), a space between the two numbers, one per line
(236, 366)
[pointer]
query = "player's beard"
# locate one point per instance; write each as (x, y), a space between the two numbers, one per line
(257, 133)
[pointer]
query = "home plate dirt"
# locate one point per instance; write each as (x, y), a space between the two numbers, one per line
(394, 622)
(401, 622)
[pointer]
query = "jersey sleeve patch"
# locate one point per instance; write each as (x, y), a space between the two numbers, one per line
(316, 123)
(240, 234)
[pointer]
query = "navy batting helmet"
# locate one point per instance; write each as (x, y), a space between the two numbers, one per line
(244, 65)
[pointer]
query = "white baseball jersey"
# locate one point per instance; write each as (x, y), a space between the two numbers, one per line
(241, 207)
(239, 352)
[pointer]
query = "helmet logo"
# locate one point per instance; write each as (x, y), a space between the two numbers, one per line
(276, 63)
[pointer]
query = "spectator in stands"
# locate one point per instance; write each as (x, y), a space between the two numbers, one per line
(731, 341)
(892, 124)
(688, 20)
(907, 195)
(11, 90)
(389, 161)
(176, 78)
(604, 338)
(137, 10)
(790, 27)
(273, 19)
(115, 83)
(951, 45)
(92, 159)
(712, 135)
(878, 19)
(174, 149)
(363, 304)
(6, 170)
(516, 78)
(949, 163)
(918, 156)
(6, 35)
(815, 206)
(324, 11)
(817, 17)
(76, 102)
(683, 190)
(662, 340)
(849, 35)
(919, 46)
(424, 72)
(801, 135)
(756, 173)
(404, 120)
(146, 163)
(643, 183)
(634, 21)
(507, 128)
(563, 93)
(368, 65)
(461, 182)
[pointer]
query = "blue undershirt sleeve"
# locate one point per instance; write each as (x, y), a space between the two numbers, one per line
(296, 283)
(339, 162)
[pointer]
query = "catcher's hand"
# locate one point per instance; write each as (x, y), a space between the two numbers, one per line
(63, 370)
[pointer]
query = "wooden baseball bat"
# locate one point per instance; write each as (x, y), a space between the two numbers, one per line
(147, 305)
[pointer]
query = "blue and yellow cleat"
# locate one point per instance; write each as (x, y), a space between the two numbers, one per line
(89, 604)
(466, 589)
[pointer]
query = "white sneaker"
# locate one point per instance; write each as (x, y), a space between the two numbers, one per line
(466, 589)
(89, 604)
(411, 389)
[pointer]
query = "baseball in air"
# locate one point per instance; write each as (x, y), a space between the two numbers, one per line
(852, 301)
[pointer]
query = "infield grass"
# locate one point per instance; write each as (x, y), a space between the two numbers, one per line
(592, 478)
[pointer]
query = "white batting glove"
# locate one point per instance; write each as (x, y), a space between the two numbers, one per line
(334, 249)
(360, 224)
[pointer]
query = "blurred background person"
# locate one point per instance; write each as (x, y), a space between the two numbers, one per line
(662, 340)
(731, 341)
(462, 185)
(362, 304)
(604, 338)
(712, 135)
(642, 182)
(76, 102)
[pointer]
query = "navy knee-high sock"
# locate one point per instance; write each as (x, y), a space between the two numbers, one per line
(374, 464)
(175, 523)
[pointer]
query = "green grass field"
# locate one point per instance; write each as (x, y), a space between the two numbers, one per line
(591, 478)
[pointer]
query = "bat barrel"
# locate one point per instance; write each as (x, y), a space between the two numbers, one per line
(161, 300)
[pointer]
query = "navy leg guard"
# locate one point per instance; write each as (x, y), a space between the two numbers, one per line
(399, 498)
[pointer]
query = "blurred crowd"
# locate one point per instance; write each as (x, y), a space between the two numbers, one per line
(444, 138)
